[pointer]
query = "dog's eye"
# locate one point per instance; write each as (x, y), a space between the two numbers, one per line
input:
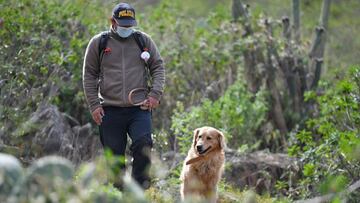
(199, 136)
(208, 138)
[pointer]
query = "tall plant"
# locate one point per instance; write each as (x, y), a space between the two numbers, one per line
(280, 63)
(329, 146)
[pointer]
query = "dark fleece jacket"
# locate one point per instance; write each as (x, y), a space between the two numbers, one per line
(108, 83)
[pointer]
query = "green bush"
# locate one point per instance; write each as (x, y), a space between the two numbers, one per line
(329, 146)
(52, 179)
(238, 114)
(197, 51)
(41, 53)
(43, 43)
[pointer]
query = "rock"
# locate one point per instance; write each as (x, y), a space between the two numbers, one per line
(86, 144)
(48, 132)
(259, 170)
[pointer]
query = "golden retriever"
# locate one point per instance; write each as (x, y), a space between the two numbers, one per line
(203, 165)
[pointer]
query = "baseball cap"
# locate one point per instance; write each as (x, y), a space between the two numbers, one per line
(124, 14)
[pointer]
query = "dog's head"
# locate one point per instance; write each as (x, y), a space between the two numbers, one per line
(207, 139)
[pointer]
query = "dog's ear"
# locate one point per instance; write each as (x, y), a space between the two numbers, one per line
(221, 140)
(196, 134)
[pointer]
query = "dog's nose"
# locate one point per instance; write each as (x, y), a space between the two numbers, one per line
(199, 148)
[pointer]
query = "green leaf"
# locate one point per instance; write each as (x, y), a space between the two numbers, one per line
(309, 169)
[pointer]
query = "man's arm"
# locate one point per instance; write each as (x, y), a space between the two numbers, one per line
(91, 72)
(157, 70)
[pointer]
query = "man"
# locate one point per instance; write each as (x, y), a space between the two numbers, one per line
(109, 75)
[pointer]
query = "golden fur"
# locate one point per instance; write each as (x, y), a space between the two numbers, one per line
(201, 177)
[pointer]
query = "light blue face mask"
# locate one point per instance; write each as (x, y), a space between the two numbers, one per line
(124, 32)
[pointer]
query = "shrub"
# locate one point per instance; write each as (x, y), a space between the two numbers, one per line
(329, 145)
(238, 114)
(41, 50)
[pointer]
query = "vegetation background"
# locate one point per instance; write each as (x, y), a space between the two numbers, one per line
(42, 44)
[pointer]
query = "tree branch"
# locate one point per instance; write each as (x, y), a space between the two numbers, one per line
(318, 47)
(318, 64)
(277, 109)
(240, 12)
(296, 20)
(287, 35)
(315, 48)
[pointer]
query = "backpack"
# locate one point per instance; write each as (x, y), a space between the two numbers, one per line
(139, 38)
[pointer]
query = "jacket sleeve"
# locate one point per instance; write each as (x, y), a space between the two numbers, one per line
(157, 70)
(91, 72)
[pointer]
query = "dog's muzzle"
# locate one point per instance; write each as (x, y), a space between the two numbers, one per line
(201, 150)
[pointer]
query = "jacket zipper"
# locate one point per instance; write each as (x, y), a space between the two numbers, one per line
(123, 74)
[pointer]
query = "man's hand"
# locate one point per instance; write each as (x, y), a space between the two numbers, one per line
(151, 103)
(97, 115)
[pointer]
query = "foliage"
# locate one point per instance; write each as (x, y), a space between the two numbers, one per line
(42, 60)
(197, 52)
(11, 174)
(341, 51)
(53, 179)
(161, 141)
(49, 52)
(329, 146)
(238, 114)
(41, 50)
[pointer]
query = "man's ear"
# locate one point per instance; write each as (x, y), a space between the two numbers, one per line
(112, 21)
(196, 134)
(221, 140)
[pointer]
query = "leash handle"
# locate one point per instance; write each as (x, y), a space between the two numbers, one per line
(141, 103)
(130, 97)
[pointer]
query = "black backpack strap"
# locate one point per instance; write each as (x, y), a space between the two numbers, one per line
(103, 42)
(139, 38)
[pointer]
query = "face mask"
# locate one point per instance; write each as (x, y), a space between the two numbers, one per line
(124, 32)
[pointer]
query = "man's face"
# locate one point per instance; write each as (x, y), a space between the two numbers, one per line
(115, 24)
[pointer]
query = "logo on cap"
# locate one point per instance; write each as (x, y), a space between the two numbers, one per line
(126, 13)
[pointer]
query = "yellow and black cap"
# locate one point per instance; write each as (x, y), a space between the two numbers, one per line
(124, 14)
